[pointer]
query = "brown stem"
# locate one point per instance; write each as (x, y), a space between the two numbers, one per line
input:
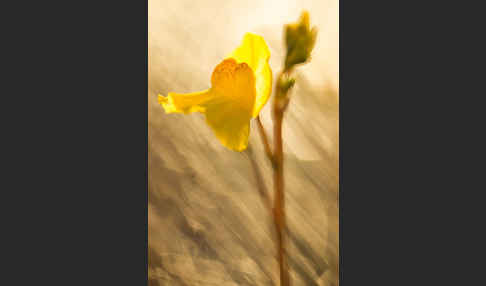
(279, 106)
(265, 140)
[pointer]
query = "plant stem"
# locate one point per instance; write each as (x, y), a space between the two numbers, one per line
(265, 140)
(279, 202)
(276, 157)
(279, 105)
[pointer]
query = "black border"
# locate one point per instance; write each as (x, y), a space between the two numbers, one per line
(75, 190)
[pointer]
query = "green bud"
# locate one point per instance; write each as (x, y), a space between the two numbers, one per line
(286, 84)
(300, 40)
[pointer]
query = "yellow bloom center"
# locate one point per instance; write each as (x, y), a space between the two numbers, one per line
(235, 82)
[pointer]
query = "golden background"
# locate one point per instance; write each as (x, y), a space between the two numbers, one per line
(207, 223)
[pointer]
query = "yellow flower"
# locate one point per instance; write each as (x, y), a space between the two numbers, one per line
(240, 87)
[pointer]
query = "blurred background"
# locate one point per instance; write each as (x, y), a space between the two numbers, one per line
(207, 223)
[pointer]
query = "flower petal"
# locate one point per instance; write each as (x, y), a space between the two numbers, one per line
(235, 82)
(229, 111)
(230, 123)
(185, 103)
(254, 51)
